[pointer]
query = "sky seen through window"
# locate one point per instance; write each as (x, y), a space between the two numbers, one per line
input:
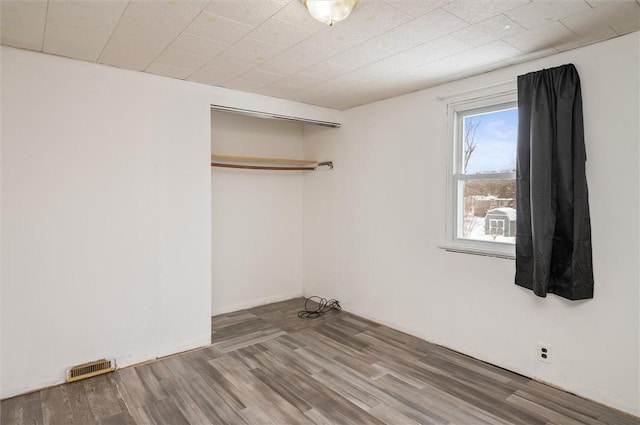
(495, 139)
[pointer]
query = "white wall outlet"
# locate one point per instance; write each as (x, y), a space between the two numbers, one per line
(544, 352)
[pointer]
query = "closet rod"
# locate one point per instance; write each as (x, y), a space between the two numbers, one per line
(261, 167)
(271, 167)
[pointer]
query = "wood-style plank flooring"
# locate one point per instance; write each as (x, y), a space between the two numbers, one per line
(267, 366)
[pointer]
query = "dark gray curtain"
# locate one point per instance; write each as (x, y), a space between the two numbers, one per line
(553, 237)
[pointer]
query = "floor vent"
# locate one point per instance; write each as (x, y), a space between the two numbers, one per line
(90, 369)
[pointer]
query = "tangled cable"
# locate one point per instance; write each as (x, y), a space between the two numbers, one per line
(324, 305)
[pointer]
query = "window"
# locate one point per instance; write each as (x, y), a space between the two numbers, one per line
(482, 181)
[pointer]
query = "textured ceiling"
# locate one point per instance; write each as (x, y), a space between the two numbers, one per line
(385, 48)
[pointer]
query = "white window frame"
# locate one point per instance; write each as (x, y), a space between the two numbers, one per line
(455, 176)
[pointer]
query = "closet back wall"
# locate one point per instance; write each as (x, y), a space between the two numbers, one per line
(256, 215)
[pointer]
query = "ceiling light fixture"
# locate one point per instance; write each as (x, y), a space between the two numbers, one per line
(329, 11)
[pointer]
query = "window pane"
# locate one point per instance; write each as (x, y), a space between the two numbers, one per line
(488, 211)
(489, 142)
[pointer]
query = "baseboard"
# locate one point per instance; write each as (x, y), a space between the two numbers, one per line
(254, 303)
(122, 362)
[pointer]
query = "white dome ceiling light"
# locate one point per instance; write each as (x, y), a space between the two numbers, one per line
(330, 11)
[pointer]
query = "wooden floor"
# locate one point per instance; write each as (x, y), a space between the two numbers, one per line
(267, 366)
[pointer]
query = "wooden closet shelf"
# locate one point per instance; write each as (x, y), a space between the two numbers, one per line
(263, 160)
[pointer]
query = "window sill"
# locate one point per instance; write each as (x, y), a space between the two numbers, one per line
(508, 254)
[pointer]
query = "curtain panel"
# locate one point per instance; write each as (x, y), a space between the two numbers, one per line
(553, 236)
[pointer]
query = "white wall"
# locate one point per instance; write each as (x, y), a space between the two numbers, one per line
(257, 215)
(106, 220)
(373, 225)
(1, 254)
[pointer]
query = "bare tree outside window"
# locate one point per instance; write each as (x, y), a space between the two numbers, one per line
(469, 140)
(469, 146)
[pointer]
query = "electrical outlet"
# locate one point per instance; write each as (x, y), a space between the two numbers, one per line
(544, 352)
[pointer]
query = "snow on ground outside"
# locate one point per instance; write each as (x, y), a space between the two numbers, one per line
(477, 233)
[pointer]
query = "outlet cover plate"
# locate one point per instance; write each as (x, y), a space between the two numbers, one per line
(544, 352)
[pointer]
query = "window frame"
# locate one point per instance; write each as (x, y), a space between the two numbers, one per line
(456, 111)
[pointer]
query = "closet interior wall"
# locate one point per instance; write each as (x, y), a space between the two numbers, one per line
(256, 214)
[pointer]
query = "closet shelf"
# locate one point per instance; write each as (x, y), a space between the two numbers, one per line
(259, 159)
(279, 164)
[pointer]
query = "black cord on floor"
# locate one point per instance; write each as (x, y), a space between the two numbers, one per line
(324, 305)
